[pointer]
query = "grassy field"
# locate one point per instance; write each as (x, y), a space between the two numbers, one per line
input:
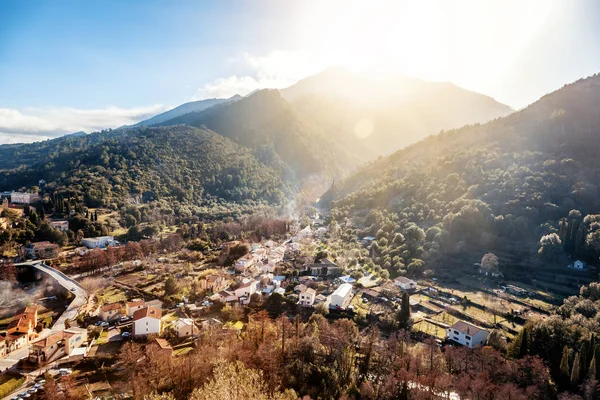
(112, 295)
(430, 329)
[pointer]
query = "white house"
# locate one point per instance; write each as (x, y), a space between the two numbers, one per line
(24, 198)
(99, 242)
(467, 334)
(146, 321)
(61, 225)
(578, 265)
(185, 327)
(307, 297)
(132, 306)
(246, 288)
(342, 296)
(405, 284)
(110, 312)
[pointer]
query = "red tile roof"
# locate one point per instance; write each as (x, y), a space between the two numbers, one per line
(111, 306)
(147, 312)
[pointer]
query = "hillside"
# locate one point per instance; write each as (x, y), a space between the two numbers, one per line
(381, 115)
(186, 108)
(499, 187)
(180, 163)
(266, 123)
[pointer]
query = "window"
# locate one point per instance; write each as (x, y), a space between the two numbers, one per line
(467, 337)
(456, 332)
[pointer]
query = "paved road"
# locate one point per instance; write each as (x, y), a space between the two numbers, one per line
(80, 300)
(81, 296)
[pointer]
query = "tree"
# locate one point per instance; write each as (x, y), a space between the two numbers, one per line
(404, 313)
(576, 372)
(8, 271)
(565, 371)
(550, 247)
(171, 286)
(489, 262)
(233, 381)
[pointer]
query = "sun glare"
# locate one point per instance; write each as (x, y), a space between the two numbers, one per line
(423, 39)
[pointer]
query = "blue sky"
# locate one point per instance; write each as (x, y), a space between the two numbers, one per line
(71, 65)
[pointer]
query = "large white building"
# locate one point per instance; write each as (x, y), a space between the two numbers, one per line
(99, 242)
(405, 284)
(342, 296)
(146, 321)
(24, 198)
(467, 334)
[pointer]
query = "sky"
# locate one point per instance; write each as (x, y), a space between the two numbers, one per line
(67, 66)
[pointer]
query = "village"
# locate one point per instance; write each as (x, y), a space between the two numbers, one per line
(169, 303)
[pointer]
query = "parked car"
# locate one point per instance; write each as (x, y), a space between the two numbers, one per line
(126, 334)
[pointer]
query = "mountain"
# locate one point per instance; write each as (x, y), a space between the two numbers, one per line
(185, 108)
(383, 113)
(178, 164)
(507, 186)
(278, 135)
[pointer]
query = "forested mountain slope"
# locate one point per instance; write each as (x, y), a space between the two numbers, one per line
(508, 186)
(380, 115)
(180, 163)
(266, 123)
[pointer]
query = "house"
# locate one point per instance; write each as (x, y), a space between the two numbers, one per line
(133, 306)
(24, 198)
(577, 265)
(325, 268)
(99, 242)
(341, 297)
(74, 338)
(347, 279)
(21, 328)
(185, 327)
(46, 349)
(213, 283)
(147, 321)
(244, 263)
(211, 323)
(246, 289)
(280, 291)
(110, 312)
(467, 334)
(302, 234)
(300, 288)
(41, 250)
(159, 348)
(405, 284)
(155, 304)
(307, 298)
(224, 296)
(3, 346)
(61, 225)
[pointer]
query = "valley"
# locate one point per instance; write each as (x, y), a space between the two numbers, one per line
(264, 233)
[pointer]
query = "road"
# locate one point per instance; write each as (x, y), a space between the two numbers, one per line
(81, 296)
(80, 300)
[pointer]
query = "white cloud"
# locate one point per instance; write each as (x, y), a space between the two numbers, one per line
(275, 70)
(34, 124)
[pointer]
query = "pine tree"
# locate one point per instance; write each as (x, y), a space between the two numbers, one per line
(597, 357)
(575, 372)
(523, 343)
(583, 363)
(592, 369)
(404, 313)
(565, 371)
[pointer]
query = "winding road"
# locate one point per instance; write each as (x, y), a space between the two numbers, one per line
(80, 300)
